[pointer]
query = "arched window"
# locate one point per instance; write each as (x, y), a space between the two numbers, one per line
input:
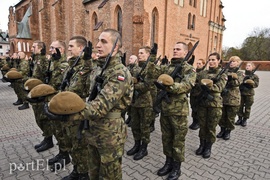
(195, 3)
(193, 22)
(24, 47)
(119, 19)
(154, 26)
(189, 21)
(27, 47)
(19, 46)
(190, 2)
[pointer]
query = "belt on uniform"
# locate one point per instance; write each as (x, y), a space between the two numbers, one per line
(112, 115)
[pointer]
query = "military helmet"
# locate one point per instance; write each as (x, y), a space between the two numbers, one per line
(5, 68)
(31, 83)
(207, 82)
(13, 75)
(41, 90)
(66, 103)
(165, 79)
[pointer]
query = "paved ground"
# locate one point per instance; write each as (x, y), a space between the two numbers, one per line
(245, 156)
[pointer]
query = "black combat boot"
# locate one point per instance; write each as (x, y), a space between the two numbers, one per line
(40, 144)
(195, 124)
(62, 161)
(142, 152)
(200, 150)
(18, 102)
(152, 126)
(48, 144)
(221, 133)
(167, 167)
(58, 157)
(176, 172)
(227, 134)
(135, 148)
(207, 150)
(24, 106)
(244, 122)
(74, 175)
(239, 121)
(84, 176)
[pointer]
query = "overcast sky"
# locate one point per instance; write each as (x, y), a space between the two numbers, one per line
(242, 17)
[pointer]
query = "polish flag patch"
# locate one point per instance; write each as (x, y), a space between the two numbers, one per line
(121, 78)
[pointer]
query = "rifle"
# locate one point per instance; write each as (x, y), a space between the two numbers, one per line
(242, 86)
(31, 65)
(205, 65)
(123, 58)
(156, 61)
(205, 93)
(84, 125)
(163, 94)
(70, 72)
(48, 73)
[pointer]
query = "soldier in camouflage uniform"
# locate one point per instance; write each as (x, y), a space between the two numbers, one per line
(250, 81)
(231, 98)
(39, 69)
(80, 85)
(194, 95)
(141, 108)
(210, 104)
(107, 133)
(173, 118)
(57, 68)
(23, 69)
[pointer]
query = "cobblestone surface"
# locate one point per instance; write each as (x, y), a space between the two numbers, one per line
(244, 156)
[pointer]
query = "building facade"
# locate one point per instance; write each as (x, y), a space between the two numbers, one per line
(4, 43)
(141, 22)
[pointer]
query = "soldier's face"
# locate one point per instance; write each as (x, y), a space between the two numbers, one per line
(105, 45)
(179, 51)
(249, 67)
(132, 60)
(213, 61)
(143, 55)
(53, 46)
(199, 64)
(35, 49)
(234, 63)
(74, 48)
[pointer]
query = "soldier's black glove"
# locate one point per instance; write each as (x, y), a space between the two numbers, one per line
(56, 55)
(164, 60)
(249, 86)
(87, 51)
(43, 50)
(154, 49)
(191, 60)
(53, 116)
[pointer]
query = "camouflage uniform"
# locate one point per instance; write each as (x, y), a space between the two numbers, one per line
(40, 67)
(173, 118)
(78, 84)
(231, 101)
(57, 69)
(107, 133)
(141, 108)
(210, 110)
(247, 95)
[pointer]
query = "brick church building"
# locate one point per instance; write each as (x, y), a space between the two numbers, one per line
(141, 22)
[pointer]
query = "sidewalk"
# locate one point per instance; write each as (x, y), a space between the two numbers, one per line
(245, 156)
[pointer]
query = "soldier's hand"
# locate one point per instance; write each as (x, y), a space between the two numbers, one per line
(87, 51)
(154, 49)
(36, 100)
(56, 55)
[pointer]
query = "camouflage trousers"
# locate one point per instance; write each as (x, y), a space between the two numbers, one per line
(78, 149)
(103, 164)
(174, 130)
(140, 124)
(41, 119)
(62, 139)
(228, 117)
(19, 90)
(194, 106)
(208, 120)
(245, 106)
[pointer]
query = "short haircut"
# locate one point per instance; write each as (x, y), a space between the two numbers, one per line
(80, 40)
(115, 34)
(235, 58)
(184, 45)
(203, 61)
(215, 54)
(146, 48)
(40, 44)
(252, 64)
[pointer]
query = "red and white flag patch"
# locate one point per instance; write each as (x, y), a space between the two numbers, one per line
(120, 78)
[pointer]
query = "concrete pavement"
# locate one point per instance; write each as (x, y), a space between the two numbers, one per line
(245, 156)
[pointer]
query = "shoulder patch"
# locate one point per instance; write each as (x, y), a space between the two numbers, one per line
(120, 78)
